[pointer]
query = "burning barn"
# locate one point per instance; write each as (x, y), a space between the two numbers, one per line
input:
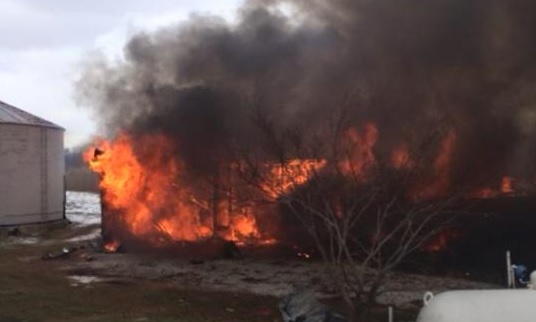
(31, 168)
(210, 126)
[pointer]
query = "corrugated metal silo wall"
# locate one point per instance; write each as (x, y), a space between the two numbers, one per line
(31, 174)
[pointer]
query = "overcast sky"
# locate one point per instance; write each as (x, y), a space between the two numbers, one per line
(43, 43)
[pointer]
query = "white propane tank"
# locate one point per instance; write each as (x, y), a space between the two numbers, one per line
(507, 305)
(532, 279)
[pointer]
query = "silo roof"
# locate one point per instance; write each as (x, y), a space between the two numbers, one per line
(12, 115)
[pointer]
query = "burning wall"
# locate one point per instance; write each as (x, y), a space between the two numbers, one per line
(185, 97)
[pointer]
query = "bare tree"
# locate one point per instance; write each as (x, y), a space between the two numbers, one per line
(365, 213)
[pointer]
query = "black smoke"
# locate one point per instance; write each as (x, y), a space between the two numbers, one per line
(406, 65)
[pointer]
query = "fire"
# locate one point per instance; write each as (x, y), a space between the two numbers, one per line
(441, 240)
(244, 227)
(111, 247)
(484, 193)
(358, 149)
(507, 185)
(504, 188)
(145, 192)
(150, 195)
(283, 178)
(441, 166)
(400, 157)
(143, 189)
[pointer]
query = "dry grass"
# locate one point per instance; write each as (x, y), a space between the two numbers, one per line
(36, 290)
(32, 289)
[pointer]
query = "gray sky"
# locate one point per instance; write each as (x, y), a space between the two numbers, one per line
(45, 41)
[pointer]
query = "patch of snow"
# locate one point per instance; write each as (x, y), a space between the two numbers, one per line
(83, 208)
(267, 277)
(23, 240)
(83, 279)
(92, 235)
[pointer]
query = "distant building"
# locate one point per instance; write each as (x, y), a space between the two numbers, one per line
(31, 168)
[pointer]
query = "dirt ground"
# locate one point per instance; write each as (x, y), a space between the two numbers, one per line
(33, 289)
(86, 285)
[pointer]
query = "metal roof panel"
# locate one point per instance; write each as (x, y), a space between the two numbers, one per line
(12, 115)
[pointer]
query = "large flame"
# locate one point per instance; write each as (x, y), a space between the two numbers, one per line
(147, 192)
(151, 197)
(154, 204)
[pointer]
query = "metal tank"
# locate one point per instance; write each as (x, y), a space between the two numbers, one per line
(31, 168)
(480, 306)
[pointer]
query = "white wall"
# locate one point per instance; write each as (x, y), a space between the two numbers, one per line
(31, 174)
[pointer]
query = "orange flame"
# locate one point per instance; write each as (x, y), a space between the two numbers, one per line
(111, 247)
(440, 184)
(283, 178)
(504, 188)
(358, 149)
(400, 158)
(154, 204)
(146, 184)
(441, 240)
(146, 192)
(507, 185)
(484, 193)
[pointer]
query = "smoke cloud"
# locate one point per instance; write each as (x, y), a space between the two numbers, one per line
(406, 65)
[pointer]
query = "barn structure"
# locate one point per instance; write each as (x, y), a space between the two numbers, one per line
(31, 168)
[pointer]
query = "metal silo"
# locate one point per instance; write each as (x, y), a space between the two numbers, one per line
(31, 168)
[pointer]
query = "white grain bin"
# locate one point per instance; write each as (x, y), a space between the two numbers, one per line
(506, 305)
(31, 168)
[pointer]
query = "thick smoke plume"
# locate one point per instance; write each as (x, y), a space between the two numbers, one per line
(406, 65)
